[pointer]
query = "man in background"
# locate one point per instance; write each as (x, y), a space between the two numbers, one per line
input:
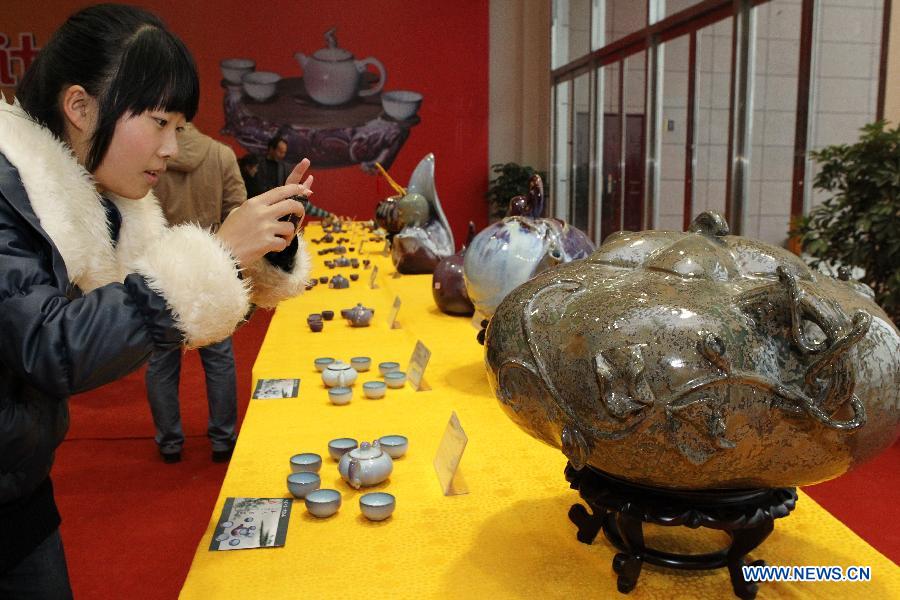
(202, 184)
(273, 171)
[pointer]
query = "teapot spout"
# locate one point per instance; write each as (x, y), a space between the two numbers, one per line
(302, 59)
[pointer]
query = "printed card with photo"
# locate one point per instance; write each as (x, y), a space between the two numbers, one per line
(252, 523)
(276, 388)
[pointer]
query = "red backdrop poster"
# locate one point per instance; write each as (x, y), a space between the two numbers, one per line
(436, 53)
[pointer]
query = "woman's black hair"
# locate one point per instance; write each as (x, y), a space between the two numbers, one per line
(248, 160)
(123, 56)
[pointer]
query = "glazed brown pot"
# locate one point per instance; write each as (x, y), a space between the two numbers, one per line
(698, 360)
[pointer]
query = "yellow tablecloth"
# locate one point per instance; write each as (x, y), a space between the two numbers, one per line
(509, 537)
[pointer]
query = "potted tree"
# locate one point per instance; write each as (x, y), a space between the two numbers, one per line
(510, 180)
(859, 224)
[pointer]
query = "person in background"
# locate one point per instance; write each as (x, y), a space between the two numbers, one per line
(249, 165)
(91, 279)
(273, 171)
(201, 185)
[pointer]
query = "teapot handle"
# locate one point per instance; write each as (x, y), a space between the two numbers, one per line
(382, 75)
(353, 473)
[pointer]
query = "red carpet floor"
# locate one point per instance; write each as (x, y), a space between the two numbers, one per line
(131, 523)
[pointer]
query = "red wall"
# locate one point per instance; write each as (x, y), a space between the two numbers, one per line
(435, 47)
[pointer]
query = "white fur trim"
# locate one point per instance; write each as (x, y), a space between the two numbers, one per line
(198, 278)
(63, 197)
(271, 285)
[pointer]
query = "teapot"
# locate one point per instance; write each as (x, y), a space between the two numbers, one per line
(332, 76)
(339, 374)
(365, 466)
(358, 316)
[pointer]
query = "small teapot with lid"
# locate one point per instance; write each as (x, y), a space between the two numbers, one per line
(339, 374)
(358, 316)
(366, 466)
(332, 76)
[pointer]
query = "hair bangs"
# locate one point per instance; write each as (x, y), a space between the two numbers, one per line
(156, 73)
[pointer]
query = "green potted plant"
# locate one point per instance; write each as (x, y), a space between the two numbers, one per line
(859, 224)
(511, 179)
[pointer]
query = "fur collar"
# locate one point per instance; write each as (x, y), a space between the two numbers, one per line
(65, 200)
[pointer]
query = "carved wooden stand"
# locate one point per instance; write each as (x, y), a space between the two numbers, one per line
(620, 509)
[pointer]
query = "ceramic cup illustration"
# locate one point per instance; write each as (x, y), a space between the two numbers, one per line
(260, 85)
(401, 104)
(332, 75)
(235, 68)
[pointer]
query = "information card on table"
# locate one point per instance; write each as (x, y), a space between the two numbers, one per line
(252, 523)
(373, 277)
(415, 371)
(392, 315)
(449, 455)
(267, 389)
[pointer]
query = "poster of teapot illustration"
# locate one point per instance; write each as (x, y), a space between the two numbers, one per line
(336, 113)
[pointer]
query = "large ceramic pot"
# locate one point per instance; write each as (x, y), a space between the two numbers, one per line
(698, 360)
(332, 76)
(510, 252)
(448, 286)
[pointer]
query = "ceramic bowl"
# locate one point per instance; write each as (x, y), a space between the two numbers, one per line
(401, 104)
(260, 85)
(395, 379)
(377, 506)
(387, 367)
(322, 362)
(361, 363)
(323, 279)
(323, 503)
(235, 68)
(340, 395)
(307, 462)
(300, 484)
(354, 276)
(374, 390)
(394, 445)
(328, 315)
(315, 325)
(340, 446)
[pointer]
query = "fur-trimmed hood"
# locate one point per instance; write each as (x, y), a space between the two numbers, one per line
(191, 269)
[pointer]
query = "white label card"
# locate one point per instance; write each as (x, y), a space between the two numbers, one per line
(392, 316)
(449, 455)
(373, 277)
(415, 372)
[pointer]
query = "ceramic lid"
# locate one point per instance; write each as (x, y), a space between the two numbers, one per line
(331, 53)
(367, 450)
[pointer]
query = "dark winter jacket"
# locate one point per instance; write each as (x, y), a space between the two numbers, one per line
(89, 287)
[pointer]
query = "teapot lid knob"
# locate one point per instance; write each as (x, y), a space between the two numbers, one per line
(365, 445)
(331, 38)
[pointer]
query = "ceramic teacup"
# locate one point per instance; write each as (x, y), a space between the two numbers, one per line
(395, 379)
(322, 362)
(328, 315)
(340, 395)
(377, 506)
(361, 363)
(300, 484)
(374, 389)
(260, 85)
(323, 503)
(315, 325)
(307, 462)
(394, 445)
(387, 367)
(235, 68)
(340, 446)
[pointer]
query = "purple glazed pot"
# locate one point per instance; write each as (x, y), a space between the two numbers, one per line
(448, 286)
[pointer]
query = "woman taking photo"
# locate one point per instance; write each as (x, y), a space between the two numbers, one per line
(91, 279)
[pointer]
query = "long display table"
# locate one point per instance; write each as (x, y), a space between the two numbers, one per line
(509, 537)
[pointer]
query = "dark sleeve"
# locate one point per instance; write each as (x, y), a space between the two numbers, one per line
(64, 346)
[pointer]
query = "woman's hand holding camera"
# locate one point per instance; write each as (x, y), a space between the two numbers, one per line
(254, 229)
